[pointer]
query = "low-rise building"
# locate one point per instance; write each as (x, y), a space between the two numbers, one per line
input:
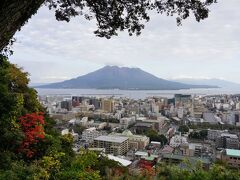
(179, 159)
(135, 141)
(115, 145)
(90, 134)
(227, 140)
(231, 157)
(96, 124)
(84, 121)
(126, 121)
(214, 134)
(177, 140)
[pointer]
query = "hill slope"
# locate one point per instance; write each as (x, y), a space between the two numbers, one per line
(215, 82)
(110, 77)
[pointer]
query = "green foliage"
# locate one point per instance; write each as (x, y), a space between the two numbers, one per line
(103, 165)
(154, 136)
(111, 16)
(110, 120)
(129, 15)
(17, 99)
(13, 104)
(81, 167)
(215, 126)
(183, 129)
(197, 172)
(202, 134)
(78, 128)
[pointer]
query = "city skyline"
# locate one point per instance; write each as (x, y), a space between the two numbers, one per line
(53, 51)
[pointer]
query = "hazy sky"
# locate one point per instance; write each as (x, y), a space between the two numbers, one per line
(53, 51)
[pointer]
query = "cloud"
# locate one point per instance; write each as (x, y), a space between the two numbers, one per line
(114, 64)
(211, 48)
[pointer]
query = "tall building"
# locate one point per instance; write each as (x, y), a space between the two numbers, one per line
(66, 105)
(95, 102)
(78, 98)
(107, 105)
(115, 145)
(181, 99)
(180, 112)
(154, 108)
(75, 101)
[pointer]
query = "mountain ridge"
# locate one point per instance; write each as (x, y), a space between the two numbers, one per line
(114, 77)
(213, 81)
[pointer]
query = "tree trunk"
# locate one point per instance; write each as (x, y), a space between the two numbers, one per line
(13, 15)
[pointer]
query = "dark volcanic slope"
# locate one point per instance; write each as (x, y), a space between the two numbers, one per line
(110, 77)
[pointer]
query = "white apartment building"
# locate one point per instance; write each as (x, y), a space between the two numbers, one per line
(84, 121)
(90, 134)
(115, 145)
(135, 141)
(97, 125)
(177, 140)
(126, 121)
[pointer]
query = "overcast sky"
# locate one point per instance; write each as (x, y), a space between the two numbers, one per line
(54, 51)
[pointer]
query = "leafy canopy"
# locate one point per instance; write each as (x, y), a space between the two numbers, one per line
(111, 16)
(115, 15)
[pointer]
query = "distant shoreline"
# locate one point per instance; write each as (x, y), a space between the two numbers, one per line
(130, 89)
(135, 94)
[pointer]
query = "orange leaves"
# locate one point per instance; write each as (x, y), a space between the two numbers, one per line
(32, 127)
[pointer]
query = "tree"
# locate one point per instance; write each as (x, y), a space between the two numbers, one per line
(16, 100)
(32, 127)
(26, 134)
(81, 167)
(202, 134)
(154, 136)
(111, 15)
(183, 129)
(103, 165)
(78, 128)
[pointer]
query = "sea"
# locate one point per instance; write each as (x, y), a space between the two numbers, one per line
(136, 94)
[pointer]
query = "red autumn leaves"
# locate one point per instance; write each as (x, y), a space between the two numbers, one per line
(32, 127)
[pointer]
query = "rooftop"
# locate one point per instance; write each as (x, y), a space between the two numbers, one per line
(143, 125)
(117, 139)
(122, 161)
(194, 145)
(182, 157)
(149, 158)
(233, 152)
(148, 120)
(91, 129)
(127, 133)
(229, 135)
(155, 142)
(141, 153)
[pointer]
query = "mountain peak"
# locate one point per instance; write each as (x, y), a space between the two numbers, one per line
(111, 77)
(114, 67)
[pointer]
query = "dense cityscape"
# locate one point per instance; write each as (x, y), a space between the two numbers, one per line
(119, 90)
(142, 133)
